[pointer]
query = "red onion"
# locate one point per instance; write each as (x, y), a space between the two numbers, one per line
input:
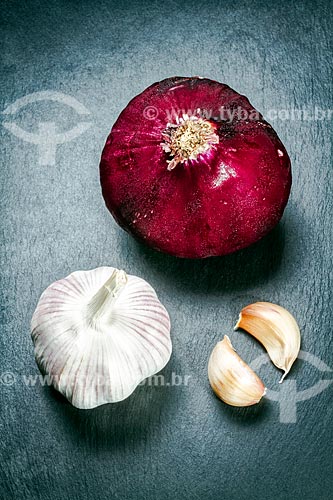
(192, 169)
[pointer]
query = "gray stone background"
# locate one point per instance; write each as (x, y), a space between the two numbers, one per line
(163, 442)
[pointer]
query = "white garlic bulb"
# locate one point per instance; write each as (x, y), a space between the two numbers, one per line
(98, 334)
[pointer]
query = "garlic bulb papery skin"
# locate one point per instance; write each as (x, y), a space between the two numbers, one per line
(232, 380)
(98, 334)
(276, 329)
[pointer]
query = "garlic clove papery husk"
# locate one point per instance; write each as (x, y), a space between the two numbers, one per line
(98, 334)
(232, 380)
(276, 329)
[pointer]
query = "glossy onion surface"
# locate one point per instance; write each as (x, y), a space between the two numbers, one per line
(213, 202)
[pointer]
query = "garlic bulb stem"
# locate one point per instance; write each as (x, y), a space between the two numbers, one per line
(102, 301)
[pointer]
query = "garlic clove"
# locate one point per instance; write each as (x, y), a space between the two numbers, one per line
(276, 329)
(98, 334)
(232, 380)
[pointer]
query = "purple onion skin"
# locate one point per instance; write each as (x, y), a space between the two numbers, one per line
(226, 199)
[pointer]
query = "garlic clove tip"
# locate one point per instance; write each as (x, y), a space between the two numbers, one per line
(237, 324)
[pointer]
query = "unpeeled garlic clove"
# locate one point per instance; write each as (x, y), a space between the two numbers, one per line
(98, 334)
(232, 380)
(276, 329)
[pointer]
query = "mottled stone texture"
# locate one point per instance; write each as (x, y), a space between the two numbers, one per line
(166, 442)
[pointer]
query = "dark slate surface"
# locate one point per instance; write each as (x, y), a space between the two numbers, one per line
(164, 442)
